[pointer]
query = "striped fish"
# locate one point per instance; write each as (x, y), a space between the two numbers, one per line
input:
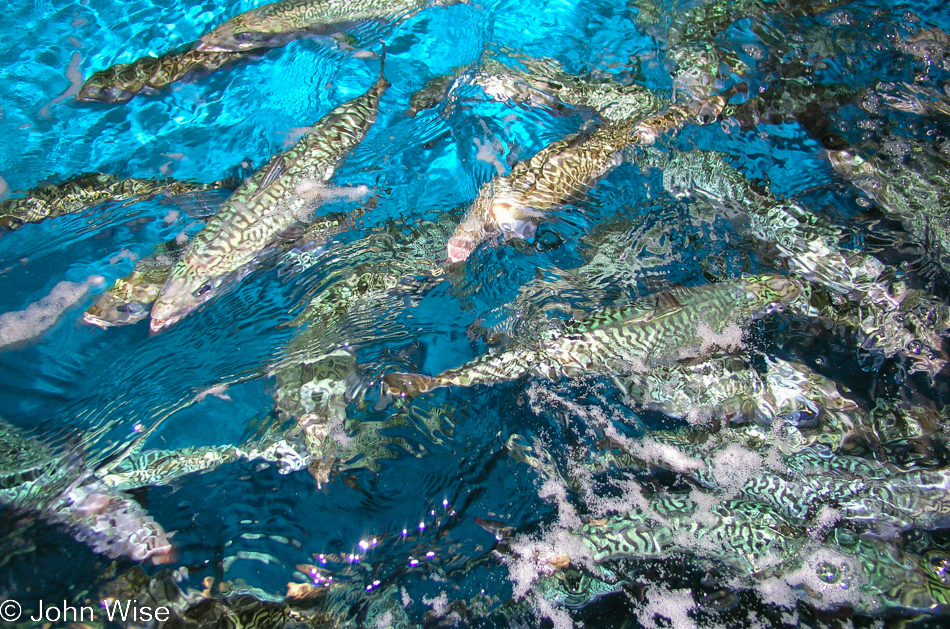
(124, 81)
(563, 170)
(36, 478)
(86, 191)
(265, 206)
(661, 329)
(277, 23)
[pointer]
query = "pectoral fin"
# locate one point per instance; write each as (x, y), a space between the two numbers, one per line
(274, 172)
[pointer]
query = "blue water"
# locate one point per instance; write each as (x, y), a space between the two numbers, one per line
(75, 379)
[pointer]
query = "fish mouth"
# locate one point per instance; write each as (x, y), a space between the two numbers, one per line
(157, 325)
(204, 46)
(458, 249)
(89, 319)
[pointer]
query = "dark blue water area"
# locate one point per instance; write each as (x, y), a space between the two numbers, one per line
(408, 521)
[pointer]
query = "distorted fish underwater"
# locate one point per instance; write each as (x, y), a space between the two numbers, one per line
(463, 313)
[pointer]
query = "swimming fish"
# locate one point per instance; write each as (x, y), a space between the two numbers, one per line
(85, 191)
(124, 81)
(914, 191)
(561, 171)
(36, 478)
(265, 206)
(130, 298)
(277, 23)
(669, 327)
(540, 83)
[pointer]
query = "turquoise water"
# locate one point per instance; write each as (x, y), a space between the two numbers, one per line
(245, 521)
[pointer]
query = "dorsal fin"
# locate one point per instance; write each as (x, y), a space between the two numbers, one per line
(666, 304)
(275, 169)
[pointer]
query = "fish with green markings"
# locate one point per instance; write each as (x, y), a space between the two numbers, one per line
(241, 38)
(514, 205)
(767, 553)
(509, 76)
(277, 23)
(915, 190)
(890, 316)
(676, 325)
(130, 298)
(264, 208)
(36, 478)
(563, 171)
(124, 81)
(89, 190)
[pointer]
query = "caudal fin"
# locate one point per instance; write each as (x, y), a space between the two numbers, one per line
(408, 384)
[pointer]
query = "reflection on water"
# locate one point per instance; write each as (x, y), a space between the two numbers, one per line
(396, 313)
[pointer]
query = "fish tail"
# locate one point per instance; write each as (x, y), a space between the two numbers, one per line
(408, 384)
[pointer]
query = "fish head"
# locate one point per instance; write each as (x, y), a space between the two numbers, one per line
(474, 229)
(115, 85)
(766, 294)
(184, 290)
(513, 221)
(15, 213)
(127, 302)
(245, 32)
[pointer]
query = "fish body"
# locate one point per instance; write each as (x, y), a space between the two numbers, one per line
(85, 191)
(673, 326)
(562, 171)
(130, 298)
(35, 478)
(541, 83)
(265, 206)
(279, 22)
(916, 192)
(124, 81)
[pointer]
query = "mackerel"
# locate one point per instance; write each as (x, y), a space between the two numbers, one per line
(265, 206)
(88, 190)
(677, 325)
(277, 23)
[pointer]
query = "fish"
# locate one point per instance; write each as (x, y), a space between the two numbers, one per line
(913, 191)
(270, 202)
(130, 298)
(277, 23)
(88, 190)
(36, 478)
(123, 81)
(563, 170)
(669, 327)
(542, 83)
(514, 205)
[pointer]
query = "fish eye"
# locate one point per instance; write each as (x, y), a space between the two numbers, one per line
(201, 291)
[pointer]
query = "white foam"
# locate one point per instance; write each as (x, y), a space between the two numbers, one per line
(673, 605)
(437, 603)
(41, 315)
(487, 152)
